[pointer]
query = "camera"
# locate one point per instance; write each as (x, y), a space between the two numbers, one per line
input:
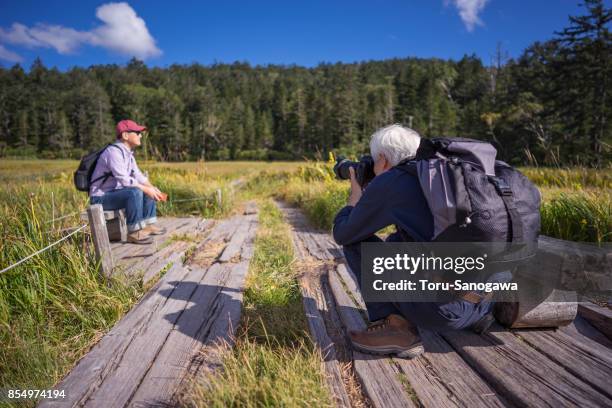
(364, 169)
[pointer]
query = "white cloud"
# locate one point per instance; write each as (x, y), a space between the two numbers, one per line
(469, 10)
(9, 55)
(122, 31)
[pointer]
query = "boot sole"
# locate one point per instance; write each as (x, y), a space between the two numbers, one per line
(401, 352)
(143, 242)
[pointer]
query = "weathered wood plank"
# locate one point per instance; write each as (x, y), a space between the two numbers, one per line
(440, 377)
(234, 247)
(376, 374)
(212, 316)
(521, 374)
(575, 265)
(586, 359)
(99, 236)
(187, 337)
(599, 317)
(583, 329)
(118, 387)
(315, 306)
(102, 359)
(151, 265)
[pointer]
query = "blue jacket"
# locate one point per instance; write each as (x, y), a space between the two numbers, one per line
(394, 197)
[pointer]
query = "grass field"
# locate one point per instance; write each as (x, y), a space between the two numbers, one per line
(53, 307)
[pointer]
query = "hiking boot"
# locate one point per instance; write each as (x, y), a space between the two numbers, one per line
(484, 324)
(153, 230)
(139, 237)
(393, 335)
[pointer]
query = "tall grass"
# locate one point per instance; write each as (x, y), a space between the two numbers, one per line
(274, 363)
(576, 205)
(583, 216)
(55, 306)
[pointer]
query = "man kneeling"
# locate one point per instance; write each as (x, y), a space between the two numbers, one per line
(117, 183)
(394, 197)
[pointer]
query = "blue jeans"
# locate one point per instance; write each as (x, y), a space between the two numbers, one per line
(435, 316)
(140, 210)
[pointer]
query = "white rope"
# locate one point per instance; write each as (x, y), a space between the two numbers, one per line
(189, 199)
(65, 216)
(42, 250)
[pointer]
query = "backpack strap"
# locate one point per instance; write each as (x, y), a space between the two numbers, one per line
(106, 175)
(507, 196)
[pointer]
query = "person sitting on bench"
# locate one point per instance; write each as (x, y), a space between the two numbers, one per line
(117, 183)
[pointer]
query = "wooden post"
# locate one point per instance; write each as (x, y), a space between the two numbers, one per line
(219, 197)
(99, 235)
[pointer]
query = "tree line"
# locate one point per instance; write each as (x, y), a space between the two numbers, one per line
(549, 106)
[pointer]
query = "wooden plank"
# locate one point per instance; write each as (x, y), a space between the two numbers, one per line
(583, 329)
(119, 386)
(238, 239)
(440, 377)
(599, 317)
(99, 236)
(586, 359)
(376, 374)
(151, 265)
(101, 360)
(315, 306)
(575, 265)
(521, 374)
(187, 337)
(213, 317)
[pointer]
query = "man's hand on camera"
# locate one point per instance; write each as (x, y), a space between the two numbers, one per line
(356, 191)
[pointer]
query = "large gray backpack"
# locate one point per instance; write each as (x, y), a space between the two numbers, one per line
(472, 196)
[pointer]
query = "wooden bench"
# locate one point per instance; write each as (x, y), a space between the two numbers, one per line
(116, 224)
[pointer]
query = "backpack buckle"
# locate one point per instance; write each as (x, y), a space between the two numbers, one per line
(502, 187)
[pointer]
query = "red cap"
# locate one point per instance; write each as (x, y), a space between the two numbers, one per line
(129, 126)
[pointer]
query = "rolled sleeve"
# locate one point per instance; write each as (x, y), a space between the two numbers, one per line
(119, 167)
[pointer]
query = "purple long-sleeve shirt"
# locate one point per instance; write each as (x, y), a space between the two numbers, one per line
(121, 163)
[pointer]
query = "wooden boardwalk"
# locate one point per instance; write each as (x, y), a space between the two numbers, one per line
(570, 366)
(191, 311)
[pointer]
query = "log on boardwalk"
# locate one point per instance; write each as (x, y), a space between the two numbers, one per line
(598, 316)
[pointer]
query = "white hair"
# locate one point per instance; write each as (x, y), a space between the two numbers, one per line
(395, 143)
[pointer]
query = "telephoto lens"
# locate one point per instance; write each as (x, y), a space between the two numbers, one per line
(364, 169)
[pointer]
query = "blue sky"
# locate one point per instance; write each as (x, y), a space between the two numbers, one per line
(82, 33)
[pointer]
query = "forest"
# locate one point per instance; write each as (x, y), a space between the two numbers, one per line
(549, 106)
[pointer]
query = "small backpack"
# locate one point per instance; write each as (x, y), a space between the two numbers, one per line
(472, 196)
(82, 176)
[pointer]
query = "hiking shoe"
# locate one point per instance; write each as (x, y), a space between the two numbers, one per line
(153, 230)
(484, 324)
(139, 237)
(393, 335)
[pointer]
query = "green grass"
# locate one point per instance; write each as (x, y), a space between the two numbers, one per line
(55, 306)
(273, 363)
(584, 216)
(576, 203)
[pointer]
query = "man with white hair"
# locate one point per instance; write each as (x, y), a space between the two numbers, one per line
(394, 197)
